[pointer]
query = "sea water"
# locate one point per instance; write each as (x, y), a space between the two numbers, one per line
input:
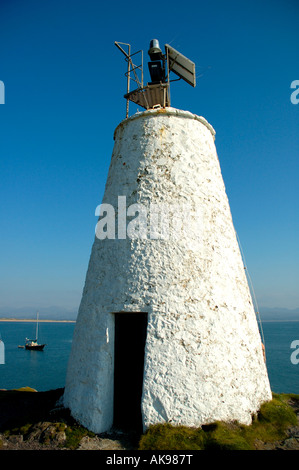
(46, 370)
(41, 370)
(283, 371)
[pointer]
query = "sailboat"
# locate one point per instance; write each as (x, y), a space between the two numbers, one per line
(33, 344)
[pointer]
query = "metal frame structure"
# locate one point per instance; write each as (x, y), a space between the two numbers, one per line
(131, 68)
(155, 95)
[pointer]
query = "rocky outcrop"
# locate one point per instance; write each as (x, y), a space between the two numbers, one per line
(51, 433)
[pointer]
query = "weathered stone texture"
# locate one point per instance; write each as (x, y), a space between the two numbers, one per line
(203, 355)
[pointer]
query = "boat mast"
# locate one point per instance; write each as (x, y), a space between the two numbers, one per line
(36, 334)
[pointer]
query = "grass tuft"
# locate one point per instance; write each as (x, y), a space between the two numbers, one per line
(271, 424)
(74, 434)
(167, 437)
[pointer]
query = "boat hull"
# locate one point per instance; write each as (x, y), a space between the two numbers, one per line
(38, 347)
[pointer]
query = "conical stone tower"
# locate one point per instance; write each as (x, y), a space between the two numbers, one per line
(166, 329)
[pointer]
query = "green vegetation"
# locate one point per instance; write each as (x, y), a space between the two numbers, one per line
(24, 389)
(271, 424)
(74, 434)
(168, 437)
(35, 417)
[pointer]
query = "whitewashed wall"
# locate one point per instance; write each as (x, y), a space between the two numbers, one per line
(203, 356)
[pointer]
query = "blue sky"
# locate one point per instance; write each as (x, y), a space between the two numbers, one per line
(64, 86)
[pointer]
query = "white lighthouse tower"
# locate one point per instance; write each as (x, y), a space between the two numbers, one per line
(166, 330)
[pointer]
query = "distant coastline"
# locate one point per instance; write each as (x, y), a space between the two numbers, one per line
(56, 314)
(34, 320)
(279, 320)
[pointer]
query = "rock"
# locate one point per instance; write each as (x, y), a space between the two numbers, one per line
(96, 443)
(289, 444)
(47, 432)
(16, 439)
(36, 432)
(60, 438)
(260, 445)
(52, 434)
(293, 431)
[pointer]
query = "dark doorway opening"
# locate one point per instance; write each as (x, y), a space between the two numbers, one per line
(130, 337)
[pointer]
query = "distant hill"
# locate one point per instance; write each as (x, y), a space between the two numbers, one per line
(279, 314)
(61, 313)
(48, 313)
